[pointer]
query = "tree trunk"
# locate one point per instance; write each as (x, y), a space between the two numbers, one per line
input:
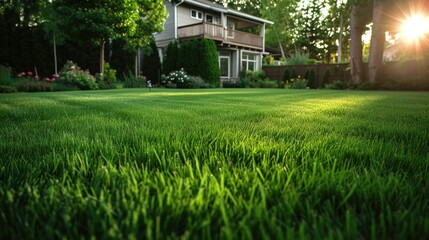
(356, 32)
(340, 40)
(55, 54)
(378, 39)
(103, 42)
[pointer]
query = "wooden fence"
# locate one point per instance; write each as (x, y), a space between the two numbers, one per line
(402, 72)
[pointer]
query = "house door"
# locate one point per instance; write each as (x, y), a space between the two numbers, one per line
(225, 66)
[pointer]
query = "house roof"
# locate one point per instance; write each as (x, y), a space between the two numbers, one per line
(220, 8)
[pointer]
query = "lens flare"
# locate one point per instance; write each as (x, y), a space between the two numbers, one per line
(415, 27)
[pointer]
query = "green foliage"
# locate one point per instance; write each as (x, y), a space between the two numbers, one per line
(108, 79)
(34, 86)
(171, 57)
(200, 58)
(180, 79)
(152, 64)
(71, 75)
(298, 58)
(326, 77)
(7, 89)
(252, 79)
(131, 81)
(209, 63)
(6, 75)
(310, 76)
(286, 75)
(268, 60)
(296, 83)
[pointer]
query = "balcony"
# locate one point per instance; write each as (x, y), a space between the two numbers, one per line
(219, 33)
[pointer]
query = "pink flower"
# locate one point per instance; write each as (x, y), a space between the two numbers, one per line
(36, 77)
(29, 73)
(47, 79)
(55, 75)
(53, 79)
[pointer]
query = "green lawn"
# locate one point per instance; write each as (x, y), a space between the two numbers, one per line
(217, 163)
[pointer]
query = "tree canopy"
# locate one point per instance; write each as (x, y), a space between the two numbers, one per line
(97, 21)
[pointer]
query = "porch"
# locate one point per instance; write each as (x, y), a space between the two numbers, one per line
(222, 35)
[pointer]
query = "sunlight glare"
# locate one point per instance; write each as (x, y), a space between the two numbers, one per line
(415, 27)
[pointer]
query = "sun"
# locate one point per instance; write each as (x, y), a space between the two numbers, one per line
(415, 27)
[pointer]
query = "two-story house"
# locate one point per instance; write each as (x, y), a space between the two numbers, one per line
(240, 37)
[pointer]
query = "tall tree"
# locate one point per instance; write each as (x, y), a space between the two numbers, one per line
(97, 21)
(152, 15)
(378, 38)
(359, 17)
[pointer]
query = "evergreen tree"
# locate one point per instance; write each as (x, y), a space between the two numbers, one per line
(170, 63)
(152, 64)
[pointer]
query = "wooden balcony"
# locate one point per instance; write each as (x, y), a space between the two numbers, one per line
(218, 33)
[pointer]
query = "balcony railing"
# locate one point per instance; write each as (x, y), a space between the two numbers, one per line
(217, 32)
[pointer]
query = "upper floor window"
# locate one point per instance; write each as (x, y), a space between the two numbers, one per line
(196, 14)
(212, 19)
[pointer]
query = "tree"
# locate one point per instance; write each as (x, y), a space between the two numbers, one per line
(152, 63)
(152, 14)
(170, 62)
(378, 38)
(97, 21)
(359, 17)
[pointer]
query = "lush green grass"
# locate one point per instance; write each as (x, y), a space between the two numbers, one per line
(215, 163)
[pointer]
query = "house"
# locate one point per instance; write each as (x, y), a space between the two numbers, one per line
(240, 37)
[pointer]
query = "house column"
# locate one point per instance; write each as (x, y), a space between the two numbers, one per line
(224, 20)
(262, 34)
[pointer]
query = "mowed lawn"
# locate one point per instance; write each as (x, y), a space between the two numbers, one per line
(217, 163)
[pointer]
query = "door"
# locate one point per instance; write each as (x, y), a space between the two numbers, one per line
(225, 66)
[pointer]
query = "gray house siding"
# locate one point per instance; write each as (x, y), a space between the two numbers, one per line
(168, 34)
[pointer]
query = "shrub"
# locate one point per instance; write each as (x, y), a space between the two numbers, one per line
(108, 79)
(337, 85)
(286, 75)
(267, 84)
(298, 58)
(180, 79)
(131, 81)
(7, 89)
(170, 62)
(296, 83)
(5, 75)
(200, 58)
(268, 60)
(152, 64)
(310, 76)
(326, 77)
(34, 86)
(72, 76)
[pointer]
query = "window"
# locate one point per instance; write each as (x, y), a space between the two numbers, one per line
(212, 19)
(249, 62)
(196, 14)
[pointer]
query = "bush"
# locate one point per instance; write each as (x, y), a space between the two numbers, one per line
(152, 64)
(108, 79)
(326, 77)
(72, 76)
(170, 62)
(6, 75)
(131, 81)
(267, 84)
(310, 76)
(200, 58)
(180, 79)
(7, 89)
(296, 83)
(36, 86)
